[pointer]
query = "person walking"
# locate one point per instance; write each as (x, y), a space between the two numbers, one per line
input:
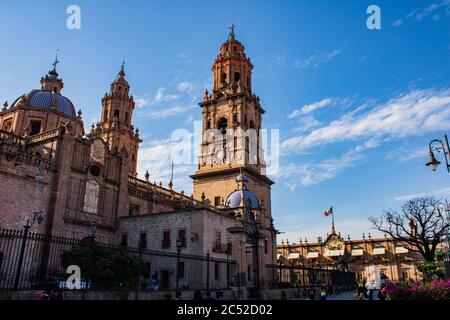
(197, 295)
(382, 293)
(370, 289)
(323, 294)
(312, 294)
(359, 295)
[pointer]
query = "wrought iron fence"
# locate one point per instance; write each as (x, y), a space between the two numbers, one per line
(37, 261)
(301, 277)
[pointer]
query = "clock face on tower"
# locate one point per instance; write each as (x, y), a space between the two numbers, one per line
(218, 157)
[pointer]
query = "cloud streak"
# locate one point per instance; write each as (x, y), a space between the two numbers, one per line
(408, 114)
(439, 193)
(413, 113)
(435, 10)
(309, 108)
(315, 59)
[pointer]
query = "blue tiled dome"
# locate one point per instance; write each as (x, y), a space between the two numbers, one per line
(43, 100)
(234, 200)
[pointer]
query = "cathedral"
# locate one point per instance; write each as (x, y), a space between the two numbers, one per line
(71, 179)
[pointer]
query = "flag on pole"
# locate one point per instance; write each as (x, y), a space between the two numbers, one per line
(328, 212)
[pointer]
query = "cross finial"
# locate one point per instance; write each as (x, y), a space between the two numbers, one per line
(54, 64)
(232, 27)
(122, 68)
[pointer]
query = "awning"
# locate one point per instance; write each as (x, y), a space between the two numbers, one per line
(312, 255)
(334, 253)
(378, 251)
(279, 255)
(399, 250)
(293, 256)
(357, 252)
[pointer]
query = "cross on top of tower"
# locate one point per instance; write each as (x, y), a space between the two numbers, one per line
(54, 64)
(122, 68)
(232, 27)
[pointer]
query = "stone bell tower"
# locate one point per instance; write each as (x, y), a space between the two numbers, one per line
(232, 117)
(115, 127)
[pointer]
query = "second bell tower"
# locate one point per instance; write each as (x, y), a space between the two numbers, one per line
(115, 126)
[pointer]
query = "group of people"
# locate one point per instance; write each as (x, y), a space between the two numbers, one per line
(207, 295)
(367, 292)
(322, 293)
(54, 295)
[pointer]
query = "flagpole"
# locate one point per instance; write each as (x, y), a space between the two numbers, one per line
(333, 231)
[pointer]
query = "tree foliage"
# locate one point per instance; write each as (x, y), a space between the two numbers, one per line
(105, 267)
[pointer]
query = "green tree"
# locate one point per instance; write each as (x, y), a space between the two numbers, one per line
(106, 267)
(430, 271)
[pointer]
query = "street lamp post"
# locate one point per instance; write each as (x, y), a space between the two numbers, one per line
(446, 209)
(93, 228)
(438, 146)
(37, 218)
(207, 271)
(228, 263)
(141, 245)
(179, 244)
(441, 146)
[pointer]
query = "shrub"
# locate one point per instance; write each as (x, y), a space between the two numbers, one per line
(430, 271)
(434, 290)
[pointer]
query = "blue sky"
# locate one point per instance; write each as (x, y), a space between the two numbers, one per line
(355, 107)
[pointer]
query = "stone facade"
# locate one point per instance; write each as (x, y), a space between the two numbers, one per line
(372, 259)
(75, 180)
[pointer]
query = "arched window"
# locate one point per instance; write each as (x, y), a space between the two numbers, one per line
(224, 77)
(116, 113)
(237, 76)
(126, 117)
(222, 125)
(7, 125)
(208, 123)
(35, 127)
(252, 124)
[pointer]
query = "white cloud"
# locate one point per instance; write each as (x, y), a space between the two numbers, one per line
(440, 193)
(436, 10)
(185, 58)
(186, 86)
(169, 112)
(315, 59)
(308, 108)
(416, 112)
(306, 123)
(397, 23)
(157, 157)
(142, 102)
(312, 173)
(162, 97)
(405, 153)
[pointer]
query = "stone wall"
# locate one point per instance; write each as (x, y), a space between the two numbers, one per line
(110, 295)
